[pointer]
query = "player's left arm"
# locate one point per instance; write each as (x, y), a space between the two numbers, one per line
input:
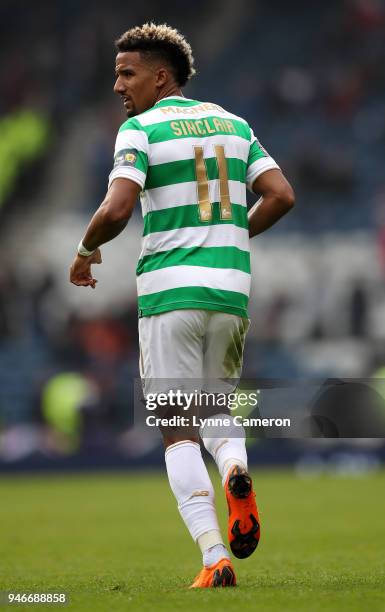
(264, 177)
(277, 198)
(108, 222)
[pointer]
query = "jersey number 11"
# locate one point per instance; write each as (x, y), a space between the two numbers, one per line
(204, 204)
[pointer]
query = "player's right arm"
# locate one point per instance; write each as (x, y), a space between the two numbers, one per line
(113, 214)
(265, 178)
(126, 180)
(108, 222)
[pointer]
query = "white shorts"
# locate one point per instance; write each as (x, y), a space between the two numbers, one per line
(191, 350)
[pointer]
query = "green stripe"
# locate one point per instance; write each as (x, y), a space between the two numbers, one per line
(131, 124)
(141, 161)
(163, 131)
(193, 297)
(188, 216)
(183, 171)
(255, 153)
(208, 257)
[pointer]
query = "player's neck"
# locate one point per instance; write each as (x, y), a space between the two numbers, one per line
(169, 92)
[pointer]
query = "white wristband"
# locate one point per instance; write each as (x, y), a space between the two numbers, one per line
(83, 251)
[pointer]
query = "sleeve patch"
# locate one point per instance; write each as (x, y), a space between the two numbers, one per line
(261, 147)
(125, 157)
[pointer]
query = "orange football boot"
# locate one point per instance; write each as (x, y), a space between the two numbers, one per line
(220, 574)
(243, 523)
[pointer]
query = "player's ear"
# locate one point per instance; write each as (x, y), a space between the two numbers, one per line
(162, 76)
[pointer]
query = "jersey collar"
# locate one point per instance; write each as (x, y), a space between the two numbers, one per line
(173, 98)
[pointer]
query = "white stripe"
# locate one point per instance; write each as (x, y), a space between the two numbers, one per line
(182, 194)
(134, 174)
(131, 139)
(170, 150)
(222, 235)
(259, 167)
(160, 115)
(190, 276)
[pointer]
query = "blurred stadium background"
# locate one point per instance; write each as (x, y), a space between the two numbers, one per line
(309, 78)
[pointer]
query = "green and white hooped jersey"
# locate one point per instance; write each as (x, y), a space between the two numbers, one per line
(193, 161)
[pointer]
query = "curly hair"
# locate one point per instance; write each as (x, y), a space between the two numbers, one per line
(163, 42)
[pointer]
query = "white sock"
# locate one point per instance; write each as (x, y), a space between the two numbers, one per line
(214, 554)
(227, 445)
(191, 485)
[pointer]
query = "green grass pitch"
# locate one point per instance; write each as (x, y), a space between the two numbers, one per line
(116, 542)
